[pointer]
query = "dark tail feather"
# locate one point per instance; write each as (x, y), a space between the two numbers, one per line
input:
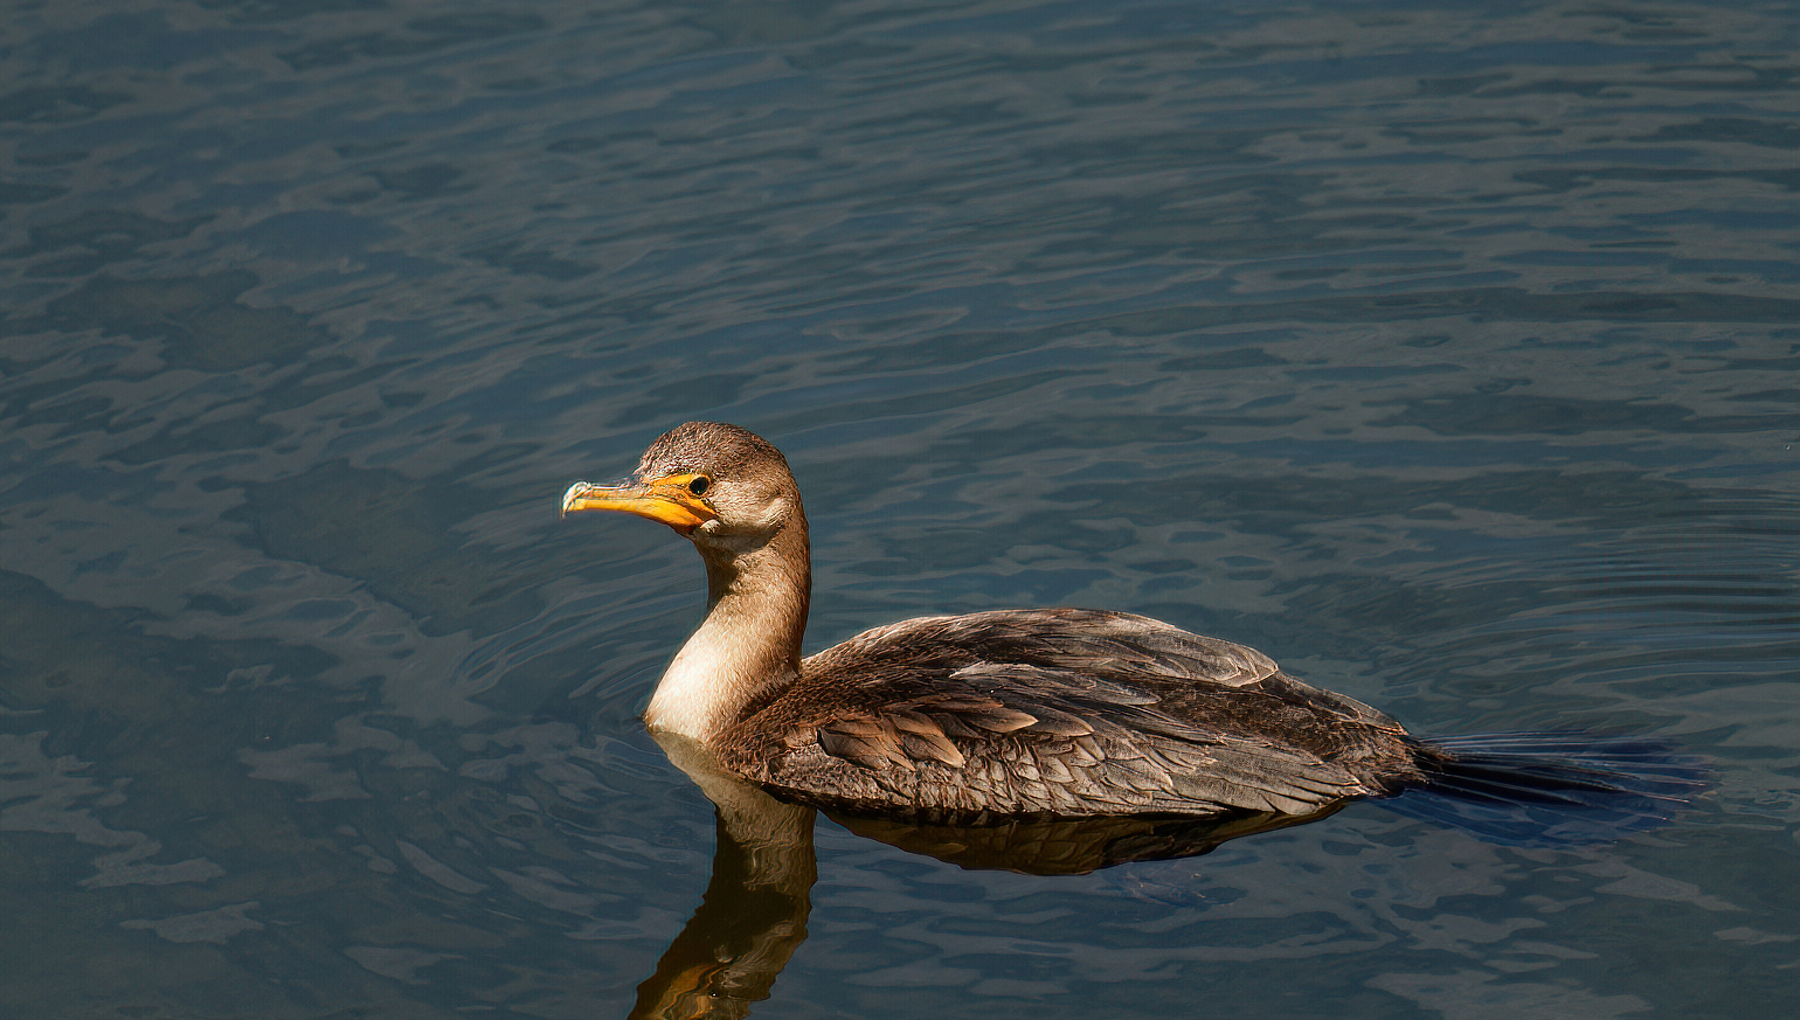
(1553, 789)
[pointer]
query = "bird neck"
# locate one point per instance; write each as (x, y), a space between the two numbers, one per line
(748, 647)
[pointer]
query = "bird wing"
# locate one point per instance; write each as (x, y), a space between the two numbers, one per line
(1061, 712)
(1121, 645)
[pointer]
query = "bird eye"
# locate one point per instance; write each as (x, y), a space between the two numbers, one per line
(699, 484)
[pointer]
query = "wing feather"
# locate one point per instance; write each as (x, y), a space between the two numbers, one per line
(1043, 712)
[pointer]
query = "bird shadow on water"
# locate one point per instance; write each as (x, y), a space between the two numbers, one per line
(753, 915)
(752, 918)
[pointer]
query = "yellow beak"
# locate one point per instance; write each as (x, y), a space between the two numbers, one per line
(667, 500)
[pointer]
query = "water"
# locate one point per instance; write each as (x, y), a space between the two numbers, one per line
(1445, 352)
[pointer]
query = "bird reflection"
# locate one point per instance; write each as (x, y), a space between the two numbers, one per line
(753, 916)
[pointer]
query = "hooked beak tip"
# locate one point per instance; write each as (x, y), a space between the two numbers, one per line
(570, 495)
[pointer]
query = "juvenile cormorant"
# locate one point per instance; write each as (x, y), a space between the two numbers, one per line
(1031, 712)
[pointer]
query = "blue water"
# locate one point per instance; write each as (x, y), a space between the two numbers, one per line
(1446, 352)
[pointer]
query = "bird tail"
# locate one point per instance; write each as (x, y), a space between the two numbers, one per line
(1552, 789)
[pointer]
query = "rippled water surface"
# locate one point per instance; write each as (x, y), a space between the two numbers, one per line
(1447, 352)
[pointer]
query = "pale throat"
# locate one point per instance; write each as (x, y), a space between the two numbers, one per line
(748, 644)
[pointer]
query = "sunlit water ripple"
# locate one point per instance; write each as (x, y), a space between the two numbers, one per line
(1445, 352)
